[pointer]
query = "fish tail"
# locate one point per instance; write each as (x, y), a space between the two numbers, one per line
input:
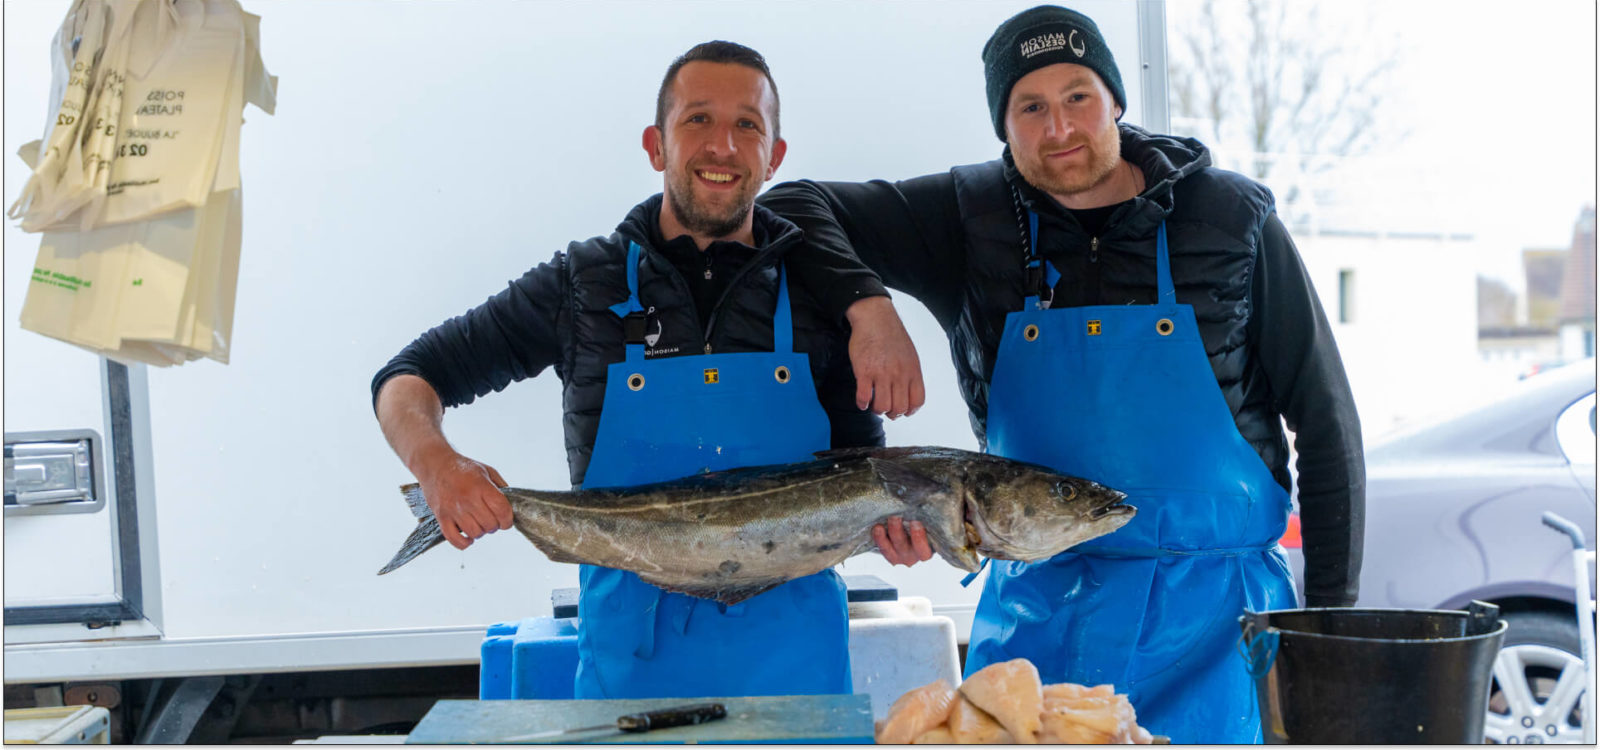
(424, 537)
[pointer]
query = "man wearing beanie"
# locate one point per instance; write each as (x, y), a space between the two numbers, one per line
(665, 335)
(1120, 310)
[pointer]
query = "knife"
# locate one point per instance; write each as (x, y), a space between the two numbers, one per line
(644, 721)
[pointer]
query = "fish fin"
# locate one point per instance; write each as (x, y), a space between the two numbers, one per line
(415, 501)
(723, 594)
(870, 451)
(904, 482)
(423, 538)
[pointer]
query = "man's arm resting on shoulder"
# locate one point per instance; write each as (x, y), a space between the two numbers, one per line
(1310, 389)
(856, 231)
(888, 372)
(910, 233)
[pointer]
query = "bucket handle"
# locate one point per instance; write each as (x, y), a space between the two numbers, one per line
(1259, 649)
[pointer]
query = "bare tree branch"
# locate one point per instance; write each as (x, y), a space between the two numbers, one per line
(1272, 77)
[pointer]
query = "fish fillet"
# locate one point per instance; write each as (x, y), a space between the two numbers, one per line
(916, 712)
(1074, 714)
(1012, 693)
(970, 725)
(1069, 691)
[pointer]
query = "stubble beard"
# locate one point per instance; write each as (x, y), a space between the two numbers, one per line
(706, 220)
(1105, 154)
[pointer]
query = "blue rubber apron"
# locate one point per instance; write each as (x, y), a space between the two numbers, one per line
(1125, 395)
(676, 416)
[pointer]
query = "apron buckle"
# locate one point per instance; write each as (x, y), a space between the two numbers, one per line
(633, 325)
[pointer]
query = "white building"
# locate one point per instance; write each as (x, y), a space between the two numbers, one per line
(1394, 266)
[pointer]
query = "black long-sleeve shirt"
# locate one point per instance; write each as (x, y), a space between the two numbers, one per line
(912, 233)
(545, 320)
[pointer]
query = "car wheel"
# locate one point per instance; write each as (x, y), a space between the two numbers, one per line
(1538, 682)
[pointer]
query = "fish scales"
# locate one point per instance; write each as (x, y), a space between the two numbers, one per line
(730, 535)
(718, 538)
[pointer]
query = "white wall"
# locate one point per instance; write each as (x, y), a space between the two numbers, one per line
(1411, 348)
(422, 155)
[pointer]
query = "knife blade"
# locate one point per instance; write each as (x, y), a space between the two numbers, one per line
(644, 721)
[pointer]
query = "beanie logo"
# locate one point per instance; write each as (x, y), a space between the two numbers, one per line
(1053, 42)
(1044, 43)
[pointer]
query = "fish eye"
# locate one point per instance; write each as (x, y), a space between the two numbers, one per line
(1065, 490)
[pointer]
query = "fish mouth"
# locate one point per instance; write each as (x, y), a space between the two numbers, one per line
(977, 531)
(1113, 506)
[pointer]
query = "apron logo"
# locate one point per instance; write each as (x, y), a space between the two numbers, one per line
(1094, 328)
(651, 338)
(711, 375)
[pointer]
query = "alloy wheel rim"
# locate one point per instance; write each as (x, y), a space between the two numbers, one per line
(1535, 697)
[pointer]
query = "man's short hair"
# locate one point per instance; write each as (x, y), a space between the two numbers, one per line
(717, 52)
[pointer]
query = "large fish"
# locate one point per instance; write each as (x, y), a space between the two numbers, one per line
(730, 535)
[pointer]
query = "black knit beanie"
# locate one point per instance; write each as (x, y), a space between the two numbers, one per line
(1041, 36)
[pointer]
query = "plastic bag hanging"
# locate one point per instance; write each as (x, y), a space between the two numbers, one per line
(152, 279)
(74, 52)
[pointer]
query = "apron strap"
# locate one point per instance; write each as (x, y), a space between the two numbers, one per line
(782, 318)
(631, 312)
(633, 319)
(970, 577)
(1164, 268)
(1041, 274)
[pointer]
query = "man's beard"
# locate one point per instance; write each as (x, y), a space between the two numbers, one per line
(1105, 153)
(706, 220)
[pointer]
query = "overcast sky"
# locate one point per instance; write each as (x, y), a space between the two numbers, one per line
(1504, 92)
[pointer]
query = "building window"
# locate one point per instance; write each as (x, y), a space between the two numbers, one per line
(1347, 295)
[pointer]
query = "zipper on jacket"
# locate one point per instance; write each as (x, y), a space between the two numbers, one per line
(711, 322)
(1094, 272)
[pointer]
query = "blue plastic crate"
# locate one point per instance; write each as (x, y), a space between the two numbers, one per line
(533, 658)
(537, 657)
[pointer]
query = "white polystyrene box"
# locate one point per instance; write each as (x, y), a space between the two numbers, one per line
(891, 655)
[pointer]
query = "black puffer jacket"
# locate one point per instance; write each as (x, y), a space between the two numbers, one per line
(558, 315)
(955, 241)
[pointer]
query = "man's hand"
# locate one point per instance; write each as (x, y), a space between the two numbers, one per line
(888, 373)
(464, 495)
(900, 547)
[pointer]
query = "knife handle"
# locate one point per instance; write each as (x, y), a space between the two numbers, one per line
(676, 716)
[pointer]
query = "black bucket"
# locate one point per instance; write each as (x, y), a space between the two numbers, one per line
(1373, 676)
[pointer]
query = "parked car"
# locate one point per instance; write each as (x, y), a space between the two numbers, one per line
(1454, 514)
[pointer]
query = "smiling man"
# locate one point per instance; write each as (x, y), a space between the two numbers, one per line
(703, 334)
(1118, 309)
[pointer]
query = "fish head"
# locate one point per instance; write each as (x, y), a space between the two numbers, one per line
(1020, 511)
